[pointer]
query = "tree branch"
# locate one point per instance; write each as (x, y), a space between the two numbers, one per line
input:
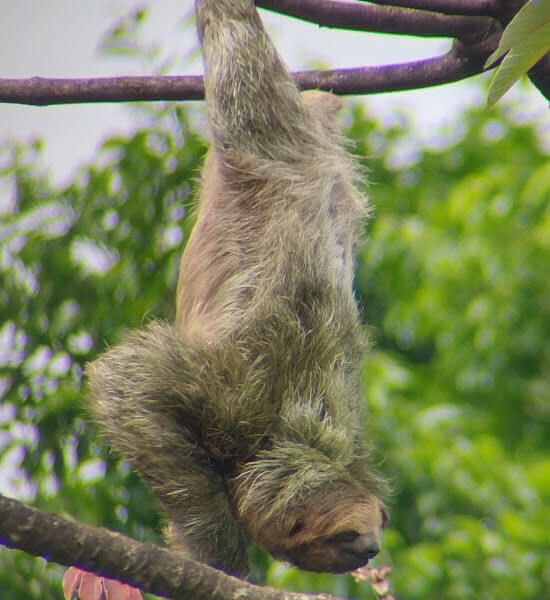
(540, 75)
(42, 91)
(462, 61)
(353, 15)
(382, 19)
(481, 8)
(152, 569)
(458, 63)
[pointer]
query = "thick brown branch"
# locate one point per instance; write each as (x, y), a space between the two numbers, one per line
(456, 64)
(481, 8)
(42, 91)
(113, 555)
(382, 19)
(459, 63)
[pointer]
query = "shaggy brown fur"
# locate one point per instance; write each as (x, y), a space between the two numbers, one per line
(247, 417)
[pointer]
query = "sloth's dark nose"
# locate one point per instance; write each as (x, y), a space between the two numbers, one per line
(368, 551)
(364, 547)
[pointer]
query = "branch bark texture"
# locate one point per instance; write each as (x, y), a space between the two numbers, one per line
(143, 565)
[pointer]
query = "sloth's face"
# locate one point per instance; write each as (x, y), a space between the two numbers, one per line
(333, 534)
(344, 541)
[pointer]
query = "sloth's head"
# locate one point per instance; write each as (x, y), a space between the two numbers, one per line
(334, 532)
(306, 507)
(333, 529)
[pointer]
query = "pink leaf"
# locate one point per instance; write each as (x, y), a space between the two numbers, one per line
(115, 590)
(71, 582)
(91, 587)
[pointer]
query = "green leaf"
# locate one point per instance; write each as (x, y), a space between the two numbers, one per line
(518, 61)
(532, 16)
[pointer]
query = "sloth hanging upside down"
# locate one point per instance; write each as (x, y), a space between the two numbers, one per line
(246, 415)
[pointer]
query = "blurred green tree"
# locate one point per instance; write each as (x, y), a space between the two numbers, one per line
(454, 288)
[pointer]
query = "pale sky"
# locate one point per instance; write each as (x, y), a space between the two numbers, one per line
(59, 38)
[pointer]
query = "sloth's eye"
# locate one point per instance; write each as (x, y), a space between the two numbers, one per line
(344, 537)
(297, 527)
(385, 516)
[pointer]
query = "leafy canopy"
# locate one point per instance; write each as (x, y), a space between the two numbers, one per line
(454, 287)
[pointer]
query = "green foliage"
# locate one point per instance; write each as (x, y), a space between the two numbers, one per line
(78, 267)
(525, 41)
(454, 284)
(454, 288)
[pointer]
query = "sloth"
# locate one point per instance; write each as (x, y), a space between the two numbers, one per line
(246, 415)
